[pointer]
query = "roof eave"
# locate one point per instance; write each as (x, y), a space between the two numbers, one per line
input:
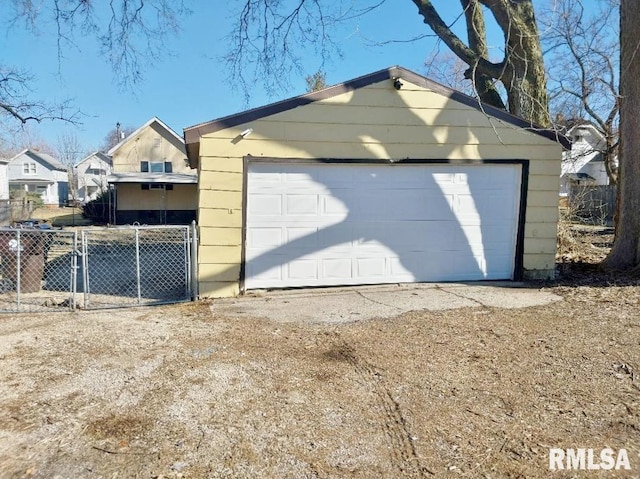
(193, 133)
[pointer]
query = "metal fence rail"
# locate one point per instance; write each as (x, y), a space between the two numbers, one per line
(96, 268)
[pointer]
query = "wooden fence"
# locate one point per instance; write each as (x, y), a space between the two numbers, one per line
(593, 204)
(15, 210)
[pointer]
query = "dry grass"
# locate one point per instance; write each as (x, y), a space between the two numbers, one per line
(71, 216)
(178, 392)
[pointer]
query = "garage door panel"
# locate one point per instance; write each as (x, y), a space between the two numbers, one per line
(267, 178)
(337, 268)
(263, 270)
(264, 205)
(337, 239)
(302, 238)
(371, 267)
(331, 224)
(336, 206)
(439, 236)
(297, 204)
(394, 235)
(403, 268)
(303, 269)
(264, 239)
(497, 236)
(497, 264)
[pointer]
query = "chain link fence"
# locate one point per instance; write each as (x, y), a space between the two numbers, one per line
(95, 268)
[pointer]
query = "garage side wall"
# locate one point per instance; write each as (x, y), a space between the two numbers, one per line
(373, 122)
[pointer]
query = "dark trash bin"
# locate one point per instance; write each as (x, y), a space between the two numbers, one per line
(32, 260)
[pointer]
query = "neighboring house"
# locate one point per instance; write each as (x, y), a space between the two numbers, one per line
(91, 176)
(40, 173)
(388, 178)
(583, 164)
(152, 178)
(4, 179)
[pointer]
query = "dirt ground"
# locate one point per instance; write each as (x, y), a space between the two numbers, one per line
(176, 391)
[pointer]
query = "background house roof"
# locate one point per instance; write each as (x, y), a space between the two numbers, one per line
(193, 133)
(42, 158)
(137, 132)
(96, 154)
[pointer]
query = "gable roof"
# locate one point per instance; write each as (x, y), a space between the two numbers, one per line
(193, 133)
(42, 158)
(137, 132)
(586, 126)
(98, 154)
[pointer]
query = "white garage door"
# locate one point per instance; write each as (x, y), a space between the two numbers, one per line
(317, 224)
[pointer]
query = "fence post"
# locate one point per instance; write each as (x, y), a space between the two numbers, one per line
(18, 259)
(194, 262)
(85, 268)
(138, 264)
(74, 272)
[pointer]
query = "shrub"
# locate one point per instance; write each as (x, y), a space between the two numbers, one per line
(98, 210)
(34, 198)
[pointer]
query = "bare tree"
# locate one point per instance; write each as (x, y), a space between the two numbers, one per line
(588, 90)
(270, 36)
(625, 253)
(69, 151)
(115, 136)
(317, 81)
(18, 107)
(24, 138)
(448, 69)
(130, 34)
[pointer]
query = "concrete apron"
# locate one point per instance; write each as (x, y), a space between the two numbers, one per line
(346, 304)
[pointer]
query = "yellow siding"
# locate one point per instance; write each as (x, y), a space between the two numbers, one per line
(221, 199)
(374, 122)
(228, 273)
(218, 254)
(212, 289)
(132, 197)
(541, 215)
(222, 237)
(224, 218)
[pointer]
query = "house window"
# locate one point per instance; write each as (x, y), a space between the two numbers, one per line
(157, 186)
(156, 167)
(29, 168)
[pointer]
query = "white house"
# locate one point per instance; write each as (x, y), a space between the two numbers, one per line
(35, 172)
(584, 162)
(4, 180)
(91, 175)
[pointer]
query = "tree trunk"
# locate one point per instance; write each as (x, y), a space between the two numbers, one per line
(522, 71)
(625, 253)
(477, 35)
(524, 78)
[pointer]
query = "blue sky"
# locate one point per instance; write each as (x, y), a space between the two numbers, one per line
(190, 85)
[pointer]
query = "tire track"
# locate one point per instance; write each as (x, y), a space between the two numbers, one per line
(395, 426)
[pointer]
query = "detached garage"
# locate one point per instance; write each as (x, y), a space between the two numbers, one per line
(388, 178)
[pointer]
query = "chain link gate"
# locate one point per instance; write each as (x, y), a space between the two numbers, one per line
(93, 268)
